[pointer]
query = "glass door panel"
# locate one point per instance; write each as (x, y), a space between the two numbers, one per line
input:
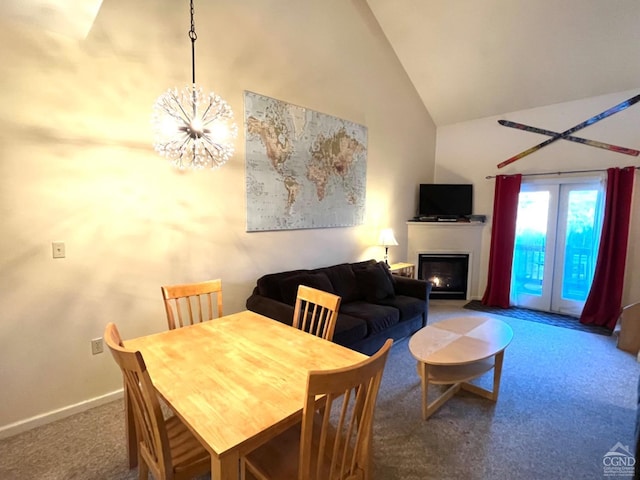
(533, 256)
(557, 235)
(579, 228)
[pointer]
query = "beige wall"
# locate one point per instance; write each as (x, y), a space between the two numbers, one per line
(468, 152)
(76, 165)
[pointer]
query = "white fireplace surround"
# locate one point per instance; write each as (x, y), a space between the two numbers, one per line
(434, 238)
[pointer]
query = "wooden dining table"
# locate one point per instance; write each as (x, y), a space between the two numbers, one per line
(236, 381)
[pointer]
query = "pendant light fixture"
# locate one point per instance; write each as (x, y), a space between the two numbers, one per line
(193, 129)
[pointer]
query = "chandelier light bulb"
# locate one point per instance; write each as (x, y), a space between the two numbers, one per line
(193, 130)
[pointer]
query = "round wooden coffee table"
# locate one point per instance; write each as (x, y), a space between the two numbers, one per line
(457, 350)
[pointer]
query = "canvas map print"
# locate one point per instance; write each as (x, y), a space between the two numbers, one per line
(304, 169)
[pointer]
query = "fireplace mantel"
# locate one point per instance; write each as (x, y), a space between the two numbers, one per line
(448, 237)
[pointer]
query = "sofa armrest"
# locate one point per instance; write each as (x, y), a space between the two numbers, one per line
(270, 308)
(412, 287)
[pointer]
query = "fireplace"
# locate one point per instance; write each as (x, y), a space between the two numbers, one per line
(448, 273)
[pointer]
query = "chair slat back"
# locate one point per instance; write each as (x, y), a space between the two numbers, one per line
(316, 311)
(189, 303)
(335, 440)
(149, 421)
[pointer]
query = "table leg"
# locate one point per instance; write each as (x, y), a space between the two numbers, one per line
(423, 370)
(497, 374)
(225, 468)
(429, 409)
(438, 402)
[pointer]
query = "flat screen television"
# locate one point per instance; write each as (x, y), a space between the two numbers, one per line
(445, 200)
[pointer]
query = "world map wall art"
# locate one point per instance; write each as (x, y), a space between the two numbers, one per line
(304, 169)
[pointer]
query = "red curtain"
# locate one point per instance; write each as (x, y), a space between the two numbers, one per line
(503, 237)
(605, 297)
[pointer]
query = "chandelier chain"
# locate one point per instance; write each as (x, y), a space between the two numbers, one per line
(193, 36)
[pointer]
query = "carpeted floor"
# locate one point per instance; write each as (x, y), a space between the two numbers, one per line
(555, 319)
(567, 398)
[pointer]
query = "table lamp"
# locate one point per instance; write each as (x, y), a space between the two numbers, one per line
(387, 240)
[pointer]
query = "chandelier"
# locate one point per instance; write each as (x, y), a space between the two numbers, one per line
(193, 129)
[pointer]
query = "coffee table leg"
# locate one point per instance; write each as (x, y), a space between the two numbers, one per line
(497, 374)
(429, 409)
(424, 379)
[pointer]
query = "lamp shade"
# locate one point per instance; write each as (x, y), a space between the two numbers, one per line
(387, 239)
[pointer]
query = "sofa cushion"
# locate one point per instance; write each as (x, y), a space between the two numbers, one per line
(289, 285)
(349, 329)
(344, 282)
(390, 275)
(363, 264)
(269, 285)
(409, 307)
(378, 317)
(374, 283)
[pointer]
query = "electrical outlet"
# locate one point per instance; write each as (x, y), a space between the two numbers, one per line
(97, 346)
(58, 249)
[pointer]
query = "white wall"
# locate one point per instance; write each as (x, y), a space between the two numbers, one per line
(76, 165)
(468, 152)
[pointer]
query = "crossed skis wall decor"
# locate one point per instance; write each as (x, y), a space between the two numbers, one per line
(567, 134)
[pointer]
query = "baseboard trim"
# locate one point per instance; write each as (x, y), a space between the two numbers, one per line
(39, 420)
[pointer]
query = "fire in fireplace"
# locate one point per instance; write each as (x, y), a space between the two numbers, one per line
(447, 272)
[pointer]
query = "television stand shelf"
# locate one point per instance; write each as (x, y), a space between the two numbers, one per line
(473, 219)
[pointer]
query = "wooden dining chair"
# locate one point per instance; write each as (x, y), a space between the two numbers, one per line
(166, 447)
(185, 303)
(316, 311)
(333, 442)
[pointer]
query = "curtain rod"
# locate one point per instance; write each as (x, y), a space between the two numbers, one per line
(560, 173)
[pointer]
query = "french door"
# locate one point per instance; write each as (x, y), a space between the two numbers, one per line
(557, 236)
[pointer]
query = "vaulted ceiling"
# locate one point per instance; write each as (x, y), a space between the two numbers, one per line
(477, 58)
(470, 58)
